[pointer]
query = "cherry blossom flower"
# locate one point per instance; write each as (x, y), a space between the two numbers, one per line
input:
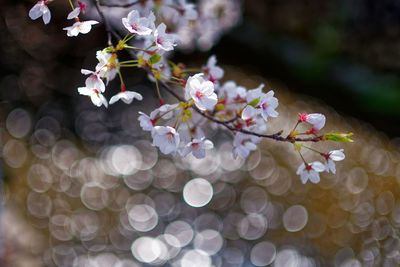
(80, 27)
(316, 119)
(201, 91)
(136, 24)
(211, 71)
(126, 96)
(232, 91)
(166, 138)
(197, 147)
(164, 40)
(310, 171)
(94, 81)
(97, 98)
(334, 155)
(147, 122)
(188, 10)
(107, 66)
(268, 103)
(40, 9)
(243, 144)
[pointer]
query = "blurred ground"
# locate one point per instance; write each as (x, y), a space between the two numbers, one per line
(68, 200)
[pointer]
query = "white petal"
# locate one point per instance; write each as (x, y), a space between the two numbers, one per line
(248, 112)
(84, 91)
(304, 177)
(114, 99)
(74, 13)
(318, 166)
(316, 119)
(46, 16)
(35, 12)
(314, 177)
(300, 169)
(337, 155)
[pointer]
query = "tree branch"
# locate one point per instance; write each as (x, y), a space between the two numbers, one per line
(166, 87)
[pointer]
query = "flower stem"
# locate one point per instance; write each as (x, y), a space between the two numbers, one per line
(158, 91)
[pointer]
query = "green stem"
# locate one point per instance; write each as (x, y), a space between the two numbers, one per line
(72, 5)
(158, 90)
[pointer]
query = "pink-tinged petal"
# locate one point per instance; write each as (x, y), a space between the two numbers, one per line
(316, 119)
(74, 13)
(34, 12)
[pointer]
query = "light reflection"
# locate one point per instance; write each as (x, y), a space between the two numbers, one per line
(101, 202)
(197, 192)
(263, 254)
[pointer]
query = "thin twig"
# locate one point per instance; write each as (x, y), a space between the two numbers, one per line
(277, 136)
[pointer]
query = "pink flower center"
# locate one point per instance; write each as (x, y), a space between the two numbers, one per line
(303, 116)
(170, 136)
(326, 156)
(135, 26)
(82, 7)
(96, 92)
(308, 167)
(195, 145)
(199, 94)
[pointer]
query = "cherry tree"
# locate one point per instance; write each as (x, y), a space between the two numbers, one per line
(151, 31)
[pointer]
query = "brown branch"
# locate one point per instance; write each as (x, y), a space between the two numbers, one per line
(277, 136)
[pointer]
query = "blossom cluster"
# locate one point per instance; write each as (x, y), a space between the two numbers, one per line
(204, 100)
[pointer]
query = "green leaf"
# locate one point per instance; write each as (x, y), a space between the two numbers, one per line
(338, 137)
(154, 59)
(254, 102)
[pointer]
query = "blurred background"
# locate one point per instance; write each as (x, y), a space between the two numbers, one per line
(82, 186)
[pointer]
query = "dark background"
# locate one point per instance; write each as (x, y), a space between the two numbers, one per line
(342, 52)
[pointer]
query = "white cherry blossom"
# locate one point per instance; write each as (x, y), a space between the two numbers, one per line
(201, 91)
(243, 144)
(164, 40)
(136, 24)
(268, 103)
(106, 67)
(126, 97)
(211, 71)
(317, 120)
(197, 147)
(93, 81)
(97, 98)
(166, 138)
(310, 171)
(80, 27)
(334, 155)
(40, 9)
